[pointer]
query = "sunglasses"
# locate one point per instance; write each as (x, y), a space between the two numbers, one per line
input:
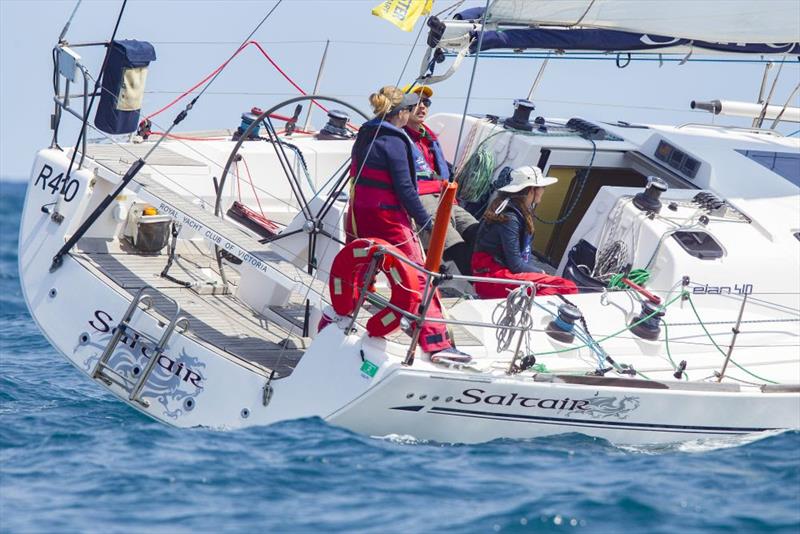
(426, 102)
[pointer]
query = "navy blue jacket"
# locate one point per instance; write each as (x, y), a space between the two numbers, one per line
(509, 242)
(394, 152)
(430, 140)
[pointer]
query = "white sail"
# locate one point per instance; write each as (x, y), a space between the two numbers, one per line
(725, 21)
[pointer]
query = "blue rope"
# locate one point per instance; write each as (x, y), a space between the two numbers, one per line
(563, 325)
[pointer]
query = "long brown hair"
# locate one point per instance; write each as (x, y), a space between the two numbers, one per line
(518, 199)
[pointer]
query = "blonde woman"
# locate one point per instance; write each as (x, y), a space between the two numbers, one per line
(385, 199)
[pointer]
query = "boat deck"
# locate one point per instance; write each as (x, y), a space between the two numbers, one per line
(271, 342)
(219, 319)
(216, 317)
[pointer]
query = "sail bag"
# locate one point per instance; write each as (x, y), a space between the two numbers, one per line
(123, 86)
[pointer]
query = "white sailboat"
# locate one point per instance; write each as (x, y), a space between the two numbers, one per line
(139, 269)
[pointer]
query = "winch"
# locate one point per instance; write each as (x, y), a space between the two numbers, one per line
(248, 117)
(562, 327)
(648, 320)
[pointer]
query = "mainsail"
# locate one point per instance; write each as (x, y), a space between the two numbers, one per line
(593, 39)
(718, 21)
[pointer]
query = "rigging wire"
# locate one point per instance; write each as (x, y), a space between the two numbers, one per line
(246, 40)
(450, 9)
(713, 342)
(758, 121)
(181, 140)
(58, 258)
(602, 56)
(445, 97)
(354, 180)
(406, 64)
(222, 67)
(82, 132)
(785, 106)
(471, 81)
(69, 22)
(669, 353)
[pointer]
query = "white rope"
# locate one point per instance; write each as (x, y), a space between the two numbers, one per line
(511, 313)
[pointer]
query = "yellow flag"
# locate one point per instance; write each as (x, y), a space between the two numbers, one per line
(403, 13)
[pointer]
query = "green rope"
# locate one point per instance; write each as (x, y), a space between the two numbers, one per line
(710, 337)
(637, 276)
(475, 178)
(669, 354)
(597, 342)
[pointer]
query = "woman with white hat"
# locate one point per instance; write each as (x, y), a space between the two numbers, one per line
(503, 245)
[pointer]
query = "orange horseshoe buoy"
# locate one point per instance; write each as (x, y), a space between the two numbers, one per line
(349, 267)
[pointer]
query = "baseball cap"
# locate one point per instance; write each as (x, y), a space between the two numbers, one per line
(424, 91)
(409, 100)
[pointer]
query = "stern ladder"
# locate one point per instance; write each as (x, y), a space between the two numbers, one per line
(104, 372)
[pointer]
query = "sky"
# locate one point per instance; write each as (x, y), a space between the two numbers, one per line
(193, 37)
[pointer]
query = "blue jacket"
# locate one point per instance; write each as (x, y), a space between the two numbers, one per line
(429, 138)
(509, 242)
(392, 151)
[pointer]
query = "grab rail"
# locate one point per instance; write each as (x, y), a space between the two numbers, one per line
(62, 102)
(432, 281)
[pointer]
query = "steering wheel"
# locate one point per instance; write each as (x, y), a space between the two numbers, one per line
(259, 120)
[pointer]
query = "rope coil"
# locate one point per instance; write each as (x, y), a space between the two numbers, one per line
(512, 313)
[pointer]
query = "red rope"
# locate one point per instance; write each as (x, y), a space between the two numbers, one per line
(247, 170)
(198, 84)
(320, 106)
(225, 64)
(238, 182)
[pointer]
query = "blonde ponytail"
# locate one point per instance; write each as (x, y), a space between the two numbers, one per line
(385, 99)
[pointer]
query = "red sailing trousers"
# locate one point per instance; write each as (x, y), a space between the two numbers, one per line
(376, 212)
(485, 265)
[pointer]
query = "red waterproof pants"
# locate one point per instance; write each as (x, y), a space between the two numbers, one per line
(377, 213)
(485, 265)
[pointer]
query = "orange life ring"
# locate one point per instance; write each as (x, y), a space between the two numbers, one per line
(348, 269)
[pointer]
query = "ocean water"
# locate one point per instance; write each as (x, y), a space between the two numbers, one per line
(73, 459)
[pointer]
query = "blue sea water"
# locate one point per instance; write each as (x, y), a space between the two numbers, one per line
(73, 459)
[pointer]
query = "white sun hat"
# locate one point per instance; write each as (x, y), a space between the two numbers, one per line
(527, 176)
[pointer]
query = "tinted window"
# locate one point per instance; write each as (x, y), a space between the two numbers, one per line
(786, 164)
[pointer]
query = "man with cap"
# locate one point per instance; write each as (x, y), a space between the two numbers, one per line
(503, 248)
(384, 202)
(432, 170)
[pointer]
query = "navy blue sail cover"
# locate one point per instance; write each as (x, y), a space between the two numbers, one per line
(606, 40)
(123, 86)
(614, 41)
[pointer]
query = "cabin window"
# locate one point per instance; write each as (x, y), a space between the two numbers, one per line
(786, 164)
(550, 240)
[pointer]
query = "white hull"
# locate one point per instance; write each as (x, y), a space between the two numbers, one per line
(197, 383)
